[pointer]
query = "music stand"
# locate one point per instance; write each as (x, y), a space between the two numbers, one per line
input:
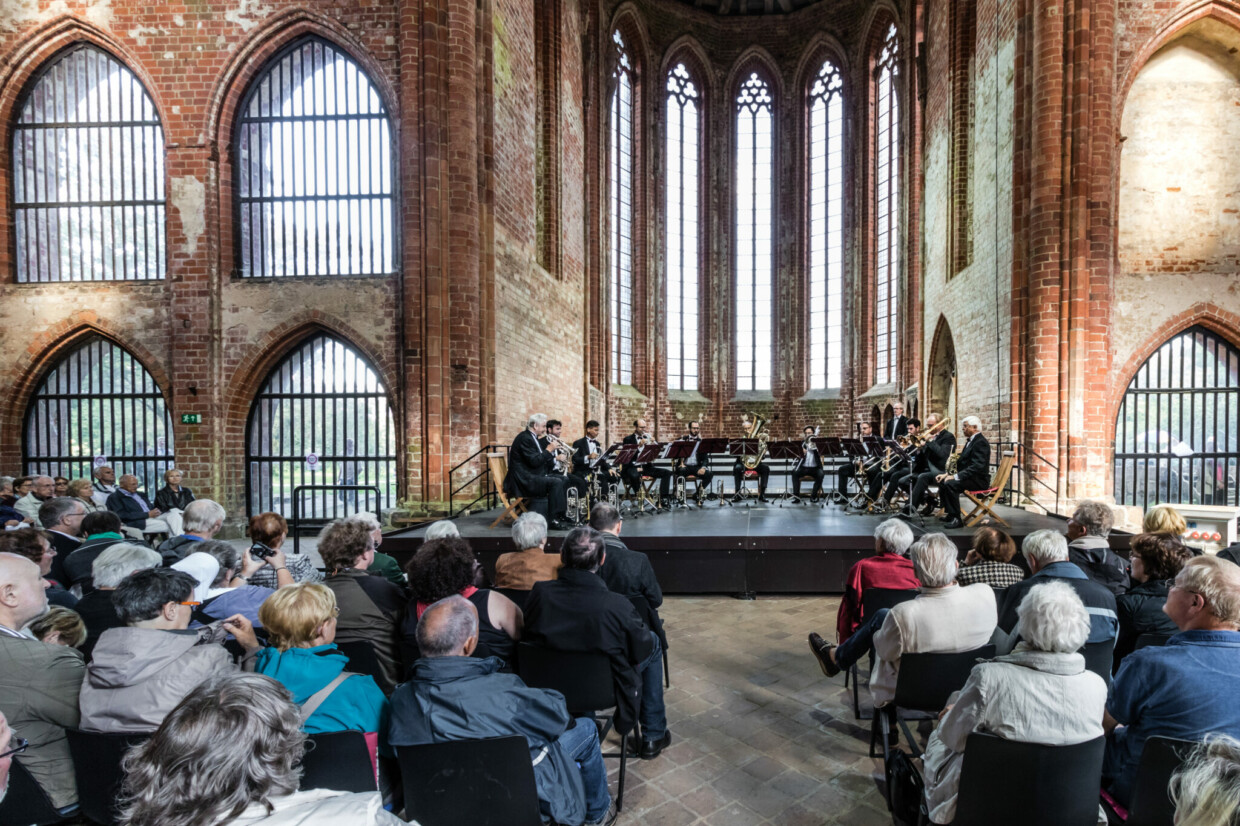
(740, 448)
(679, 451)
(649, 453)
(794, 451)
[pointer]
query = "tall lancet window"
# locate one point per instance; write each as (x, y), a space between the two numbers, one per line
(683, 245)
(826, 228)
(620, 180)
(755, 126)
(887, 210)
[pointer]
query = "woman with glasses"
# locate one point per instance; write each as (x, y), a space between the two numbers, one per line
(301, 630)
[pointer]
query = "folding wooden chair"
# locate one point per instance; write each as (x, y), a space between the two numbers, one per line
(984, 500)
(498, 465)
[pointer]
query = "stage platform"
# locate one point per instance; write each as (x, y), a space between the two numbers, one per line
(758, 549)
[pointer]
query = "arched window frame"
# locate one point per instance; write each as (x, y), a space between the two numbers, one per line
(624, 141)
(753, 324)
(685, 152)
(125, 213)
(887, 170)
(333, 257)
(825, 184)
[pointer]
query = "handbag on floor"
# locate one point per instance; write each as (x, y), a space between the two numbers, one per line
(906, 791)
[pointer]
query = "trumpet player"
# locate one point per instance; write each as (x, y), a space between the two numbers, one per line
(809, 467)
(931, 460)
(886, 479)
(692, 468)
(972, 471)
(632, 473)
(848, 470)
(586, 450)
(554, 428)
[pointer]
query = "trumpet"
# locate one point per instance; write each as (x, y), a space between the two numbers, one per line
(563, 453)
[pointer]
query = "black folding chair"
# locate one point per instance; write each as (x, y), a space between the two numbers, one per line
(1099, 656)
(1151, 795)
(585, 680)
(362, 659)
(26, 803)
(655, 623)
(873, 599)
(338, 760)
(480, 782)
(1058, 784)
(97, 769)
(1151, 639)
(924, 683)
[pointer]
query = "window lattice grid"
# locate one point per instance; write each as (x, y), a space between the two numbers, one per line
(88, 174)
(620, 179)
(314, 169)
(683, 240)
(1176, 434)
(887, 211)
(99, 401)
(322, 418)
(826, 228)
(755, 125)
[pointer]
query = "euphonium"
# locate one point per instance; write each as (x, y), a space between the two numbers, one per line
(757, 430)
(950, 470)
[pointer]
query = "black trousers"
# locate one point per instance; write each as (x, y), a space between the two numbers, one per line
(578, 482)
(887, 480)
(920, 483)
(699, 473)
(606, 482)
(633, 474)
(816, 473)
(846, 471)
(764, 473)
(949, 495)
(554, 487)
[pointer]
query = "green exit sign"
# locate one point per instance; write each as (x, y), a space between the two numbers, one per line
(191, 418)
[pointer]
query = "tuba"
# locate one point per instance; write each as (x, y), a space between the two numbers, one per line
(757, 430)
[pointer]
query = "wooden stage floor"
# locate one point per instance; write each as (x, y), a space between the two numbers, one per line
(758, 549)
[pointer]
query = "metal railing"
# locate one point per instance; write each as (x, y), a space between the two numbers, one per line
(296, 523)
(489, 486)
(1027, 475)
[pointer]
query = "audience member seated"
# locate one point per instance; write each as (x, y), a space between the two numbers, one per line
(6, 491)
(141, 671)
(229, 753)
(1186, 688)
(202, 520)
(34, 544)
(944, 618)
(1020, 696)
(62, 520)
(9, 516)
(577, 612)
(135, 509)
(173, 498)
(103, 485)
(1046, 551)
(1164, 519)
(82, 490)
(62, 485)
(230, 590)
(110, 569)
(626, 572)
(441, 529)
(301, 626)
(39, 683)
(1089, 549)
(42, 488)
(1206, 789)
(383, 565)
(519, 570)
(268, 531)
(443, 567)
(454, 696)
(990, 560)
(7, 747)
(102, 530)
(59, 626)
(1156, 559)
(371, 607)
(888, 568)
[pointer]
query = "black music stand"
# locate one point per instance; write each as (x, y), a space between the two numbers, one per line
(678, 451)
(648, 455)
(708, 448)
(740, 448)
(792, 451)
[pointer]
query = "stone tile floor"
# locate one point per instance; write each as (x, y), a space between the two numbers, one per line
(759, 736)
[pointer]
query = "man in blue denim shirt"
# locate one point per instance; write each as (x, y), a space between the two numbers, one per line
(1184, 689)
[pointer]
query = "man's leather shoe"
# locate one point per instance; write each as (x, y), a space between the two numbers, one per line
(952, 524)
(821, 647)
(653, 748)
(764, 500)
(561, 525)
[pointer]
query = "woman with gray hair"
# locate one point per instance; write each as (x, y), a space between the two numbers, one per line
(1039, 693)
(108, 571)
(530, 563)
(229, 753)
(1089, 549)
(1206, 789)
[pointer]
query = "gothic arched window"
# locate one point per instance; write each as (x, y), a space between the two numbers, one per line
(826, 228)
(887, 210)
(620, 212)
(684, 119)
(755, 258)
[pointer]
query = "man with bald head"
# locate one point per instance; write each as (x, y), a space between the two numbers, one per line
(134, 508)
(454, 696)
(39, 683)
(42, 488)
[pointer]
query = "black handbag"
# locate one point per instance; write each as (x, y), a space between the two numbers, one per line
(906, 791)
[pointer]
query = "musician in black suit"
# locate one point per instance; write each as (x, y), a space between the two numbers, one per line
(633, 472)
(586, 450)
(738, 470)
(972, 471)
(930, 462)
(880, 479)
(692, 467)
(531, 465)
(576, 481)
(810, 465)
(897, 425)
(848, 470)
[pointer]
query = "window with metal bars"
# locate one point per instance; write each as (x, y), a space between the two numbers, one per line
(826, 228)
(683, 245)
(99, 401)
(755, 158)
(88, 173)
(620, 180)
(887, 210)
(314, 169)
(1177, 434)
(322, 418)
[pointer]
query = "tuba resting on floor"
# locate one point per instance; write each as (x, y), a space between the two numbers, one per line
(756, 427)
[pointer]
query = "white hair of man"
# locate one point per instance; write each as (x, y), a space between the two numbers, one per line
(1217, 581)
(203, 516)
(536, 418)
(121, 560)
(1053, 618)
(895, 536)
(443, 529)
(366, 518)
(1206, 789)
(1095, 517)
(972, 421)
(934, 560)
(1044, 547)
(529, 531)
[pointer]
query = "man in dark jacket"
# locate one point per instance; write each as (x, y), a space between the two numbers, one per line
(628, 572)
(530, 464)
(62, 518)
(972, 472)
(931, 461)
(102, 530)
(453, 696)
(1088, 547)
(577, 612)
(134, 508)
